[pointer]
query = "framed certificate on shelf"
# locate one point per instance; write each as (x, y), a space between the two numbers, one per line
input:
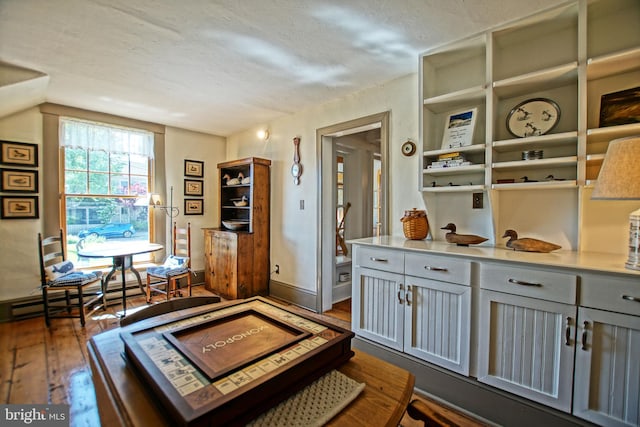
(458, 128)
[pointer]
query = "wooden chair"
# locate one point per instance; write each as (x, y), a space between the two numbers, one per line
(167, 307)
(58, 276)
(164, 278)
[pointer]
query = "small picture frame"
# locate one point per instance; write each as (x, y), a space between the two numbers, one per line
(18, 180)
(620, 108)
(193, 206)
(458, 128)
(18, 153)
(19, 207)
(193, 187)
(194, 168)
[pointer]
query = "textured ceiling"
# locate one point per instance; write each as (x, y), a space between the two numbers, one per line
(224, 66)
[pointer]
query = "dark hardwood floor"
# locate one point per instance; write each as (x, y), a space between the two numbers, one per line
(40, 365)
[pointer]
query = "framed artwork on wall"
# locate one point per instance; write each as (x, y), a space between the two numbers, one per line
(620, 108)
(193, 187)
(194, 168)
(19, 207)
(18, 153)
(193, 206)
(18, 181)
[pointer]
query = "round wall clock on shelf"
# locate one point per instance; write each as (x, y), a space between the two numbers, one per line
(533, 117)
(296, 168)
(409, 148)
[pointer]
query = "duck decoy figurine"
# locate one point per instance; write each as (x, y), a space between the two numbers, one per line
(231, 181)
(528, 244)
(243, 179)
(461, 239)
(243, 201)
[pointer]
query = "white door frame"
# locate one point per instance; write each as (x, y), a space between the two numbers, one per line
(325, 150)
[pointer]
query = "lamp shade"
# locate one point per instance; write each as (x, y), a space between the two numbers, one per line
(619, 176)
(154, 200)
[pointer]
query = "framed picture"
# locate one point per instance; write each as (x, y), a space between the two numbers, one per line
(18, 181)
(193, 206)
(18, 153)
(193, 168)
(19, 207)
(620, 108)
(458, 128)
(193, 187)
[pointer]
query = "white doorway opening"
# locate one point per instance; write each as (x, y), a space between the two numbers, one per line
(363, 144)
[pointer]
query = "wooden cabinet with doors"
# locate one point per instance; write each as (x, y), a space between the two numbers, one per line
(527, 328)
(237, 253)
(414, 303)
(607, 370)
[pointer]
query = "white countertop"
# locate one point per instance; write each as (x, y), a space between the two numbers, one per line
(595, 261)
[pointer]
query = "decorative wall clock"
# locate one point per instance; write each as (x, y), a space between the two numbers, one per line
(296, 168)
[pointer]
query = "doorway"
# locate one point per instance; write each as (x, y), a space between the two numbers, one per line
(355, 139)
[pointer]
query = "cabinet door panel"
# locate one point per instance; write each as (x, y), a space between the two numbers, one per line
(225, 264)
(608, 368)
(437, 322)
(377, 311)
(523, 347)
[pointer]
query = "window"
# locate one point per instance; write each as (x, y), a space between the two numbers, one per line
(106, 185)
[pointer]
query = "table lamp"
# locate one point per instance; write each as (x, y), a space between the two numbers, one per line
(619, 179)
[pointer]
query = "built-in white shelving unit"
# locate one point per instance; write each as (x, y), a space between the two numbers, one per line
(572, 54)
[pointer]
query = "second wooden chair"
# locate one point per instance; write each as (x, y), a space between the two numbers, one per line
(164, 278)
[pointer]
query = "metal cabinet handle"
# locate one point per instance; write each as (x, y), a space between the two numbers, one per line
(374, 259)
(567, 332)
(406, 296)
(400, 288)
(585, 326)
(630, 298)
(430, 268)
(520, 282)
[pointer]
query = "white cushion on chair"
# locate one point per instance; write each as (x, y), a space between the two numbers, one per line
(75, 278)
(173, 261)
(172, 266)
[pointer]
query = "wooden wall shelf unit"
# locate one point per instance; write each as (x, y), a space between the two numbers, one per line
(572, 54)
(237, 257)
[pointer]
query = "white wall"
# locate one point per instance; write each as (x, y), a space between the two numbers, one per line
(19, 264)
(294, 235)
(182, 144)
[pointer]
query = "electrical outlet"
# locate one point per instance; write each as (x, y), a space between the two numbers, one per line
(276, 269)
(477, 201)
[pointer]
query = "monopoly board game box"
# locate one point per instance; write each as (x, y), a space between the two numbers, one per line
(227, 365)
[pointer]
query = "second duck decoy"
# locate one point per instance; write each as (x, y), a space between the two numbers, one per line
(231, 181)
(527, 244)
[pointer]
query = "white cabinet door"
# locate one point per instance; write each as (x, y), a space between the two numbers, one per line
(378, 306)
(607, 378)
(526, 346)
(437, 322)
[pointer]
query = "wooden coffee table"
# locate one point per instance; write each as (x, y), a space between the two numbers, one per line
(124, 399)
